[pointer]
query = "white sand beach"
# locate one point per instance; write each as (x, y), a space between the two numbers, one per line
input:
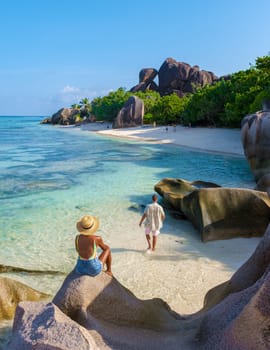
(182, 269)
(206, 139)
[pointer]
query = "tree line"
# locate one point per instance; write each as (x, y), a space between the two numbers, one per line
(222, 104)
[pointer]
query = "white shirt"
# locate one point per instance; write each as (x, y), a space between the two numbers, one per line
(154, 215)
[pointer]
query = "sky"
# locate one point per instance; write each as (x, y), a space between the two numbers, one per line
(56, 52)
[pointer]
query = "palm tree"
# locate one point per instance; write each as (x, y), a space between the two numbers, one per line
(75, 106)
(85, 106)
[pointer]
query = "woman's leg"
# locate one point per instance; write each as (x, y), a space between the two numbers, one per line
(106, 258)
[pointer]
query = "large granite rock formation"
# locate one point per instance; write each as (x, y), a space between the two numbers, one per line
(174, 190)
(147, 75)
(100, 313)
(173, 76)
(12, 292)
(65, 116)
(240, 322)
(113, 317)
(131, 114)
(43, 326)
(246, 276)
(146, 80)
(238, 316)
(144, 87)
(80, 297)
(255, 134)
(180, 76)
(218, 213)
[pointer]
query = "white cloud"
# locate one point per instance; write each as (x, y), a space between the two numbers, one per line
(74, 94)
(69, 95)
(69, 89)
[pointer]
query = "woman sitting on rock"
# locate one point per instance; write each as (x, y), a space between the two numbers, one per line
(86, 243)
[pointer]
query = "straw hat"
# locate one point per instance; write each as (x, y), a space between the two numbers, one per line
(88, 225)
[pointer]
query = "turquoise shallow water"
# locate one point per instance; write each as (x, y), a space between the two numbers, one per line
(51, 176)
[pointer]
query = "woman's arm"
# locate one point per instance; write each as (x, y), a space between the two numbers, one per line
(101, 244)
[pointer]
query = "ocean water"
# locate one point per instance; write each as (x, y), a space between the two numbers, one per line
(51, 176)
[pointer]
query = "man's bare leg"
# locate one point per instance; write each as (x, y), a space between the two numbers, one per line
(148, 241)
(154, 242)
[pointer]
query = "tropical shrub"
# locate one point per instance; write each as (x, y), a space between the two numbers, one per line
(225, 103)
(169, 108)
(107, 107)
(148, 118)
(256, 105)
(150, 99)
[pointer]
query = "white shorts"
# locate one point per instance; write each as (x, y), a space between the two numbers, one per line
(154, 232)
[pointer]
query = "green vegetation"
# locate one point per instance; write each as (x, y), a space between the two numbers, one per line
(223, 104)
(84, 109)
(168, 109)
(107, 107)
(226, 102)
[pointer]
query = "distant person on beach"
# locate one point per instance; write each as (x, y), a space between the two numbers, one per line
(154, 216)
(86, 243)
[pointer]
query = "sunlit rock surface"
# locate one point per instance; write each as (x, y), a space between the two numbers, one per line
(216, 212)
(255, 135)
(12, 292)
(131, 114)
(100, 313)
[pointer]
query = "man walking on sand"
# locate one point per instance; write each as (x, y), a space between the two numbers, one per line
(154, 215)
